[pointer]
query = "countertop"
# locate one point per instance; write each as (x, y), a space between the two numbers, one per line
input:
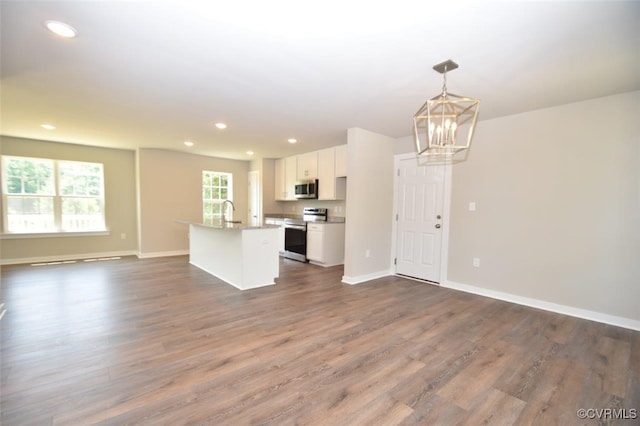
(227, 225)
(330, 219)
(282, 216)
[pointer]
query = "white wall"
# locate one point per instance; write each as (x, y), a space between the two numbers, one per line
(369, 206)
(558, 207)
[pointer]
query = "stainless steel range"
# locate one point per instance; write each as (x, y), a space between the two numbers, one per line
(295, 232)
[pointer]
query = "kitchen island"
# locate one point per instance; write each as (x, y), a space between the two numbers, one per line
(242, 255)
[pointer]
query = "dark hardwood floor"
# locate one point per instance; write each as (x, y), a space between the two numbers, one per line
(158, 341)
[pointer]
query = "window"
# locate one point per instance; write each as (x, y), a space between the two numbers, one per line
(216, 188)
(42, 195)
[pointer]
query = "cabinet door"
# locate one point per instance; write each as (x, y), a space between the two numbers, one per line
(307, 166)
(326, 174)
(290, 178)
(280, 223)
(315, 243)
(280, 191)
(341, 161)
(281, 238)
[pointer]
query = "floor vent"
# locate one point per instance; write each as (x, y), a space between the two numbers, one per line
(59, 262)
(101, 259)
(63, 262)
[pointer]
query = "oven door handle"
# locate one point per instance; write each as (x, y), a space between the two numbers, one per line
(293, 226)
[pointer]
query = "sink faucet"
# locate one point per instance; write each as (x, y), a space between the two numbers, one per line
(223, 208)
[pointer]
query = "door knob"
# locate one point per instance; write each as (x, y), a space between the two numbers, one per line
(438, 217)
(437, 226)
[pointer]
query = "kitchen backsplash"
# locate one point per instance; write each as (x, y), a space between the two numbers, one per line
(336, 208)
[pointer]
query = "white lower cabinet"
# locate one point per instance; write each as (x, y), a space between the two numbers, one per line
(315, 240)
(325, 243)
(280, 223)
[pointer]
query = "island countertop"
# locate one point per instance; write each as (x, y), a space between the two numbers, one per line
(226, 225)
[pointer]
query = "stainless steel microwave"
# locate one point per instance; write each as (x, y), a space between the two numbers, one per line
(307, 189)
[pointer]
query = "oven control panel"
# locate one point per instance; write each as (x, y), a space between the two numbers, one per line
(315, 214)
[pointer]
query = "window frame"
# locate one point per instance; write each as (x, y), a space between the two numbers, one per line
(57, 200)
(212, 218)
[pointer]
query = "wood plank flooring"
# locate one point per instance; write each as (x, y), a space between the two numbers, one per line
(158, 341)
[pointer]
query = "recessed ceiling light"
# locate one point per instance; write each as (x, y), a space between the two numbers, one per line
(48, 126)
(221, 126)
(249, 152)
(61, 29)
(292, 140)
(188, 143)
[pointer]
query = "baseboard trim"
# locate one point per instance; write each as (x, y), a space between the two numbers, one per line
(546, 306)
(66, 257)
(163, 254)
(364, 278)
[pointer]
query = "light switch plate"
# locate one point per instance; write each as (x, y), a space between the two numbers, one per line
(472, 206)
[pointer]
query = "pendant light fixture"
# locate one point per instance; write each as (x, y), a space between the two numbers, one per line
(444, 125)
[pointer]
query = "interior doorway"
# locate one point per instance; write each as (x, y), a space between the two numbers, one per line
(255, 207)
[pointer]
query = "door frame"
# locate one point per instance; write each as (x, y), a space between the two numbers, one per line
(446, 205)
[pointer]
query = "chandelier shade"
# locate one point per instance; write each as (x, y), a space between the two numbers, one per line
(444, 125)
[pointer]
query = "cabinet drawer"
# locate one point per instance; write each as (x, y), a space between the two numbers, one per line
(315, 227)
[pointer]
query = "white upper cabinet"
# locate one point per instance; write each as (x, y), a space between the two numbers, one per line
(290, 178)
(329, 188)
(285, 178)
(329, 166)
(280, 188)
(341, 161)
(308, 166)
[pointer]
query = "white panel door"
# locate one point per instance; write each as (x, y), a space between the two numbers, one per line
(254, 198)
(419, 219)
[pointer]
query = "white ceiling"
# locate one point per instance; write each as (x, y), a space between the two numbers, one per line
(154, 73)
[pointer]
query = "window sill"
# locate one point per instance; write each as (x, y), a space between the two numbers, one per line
(17, 236)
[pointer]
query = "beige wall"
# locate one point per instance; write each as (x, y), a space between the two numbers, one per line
(120, 204)
(369, 206)
(558, 206)
(170, 187)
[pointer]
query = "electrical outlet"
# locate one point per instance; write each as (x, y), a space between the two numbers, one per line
(472, 206)
(476, 262)
(123, 236)
(367, 253)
